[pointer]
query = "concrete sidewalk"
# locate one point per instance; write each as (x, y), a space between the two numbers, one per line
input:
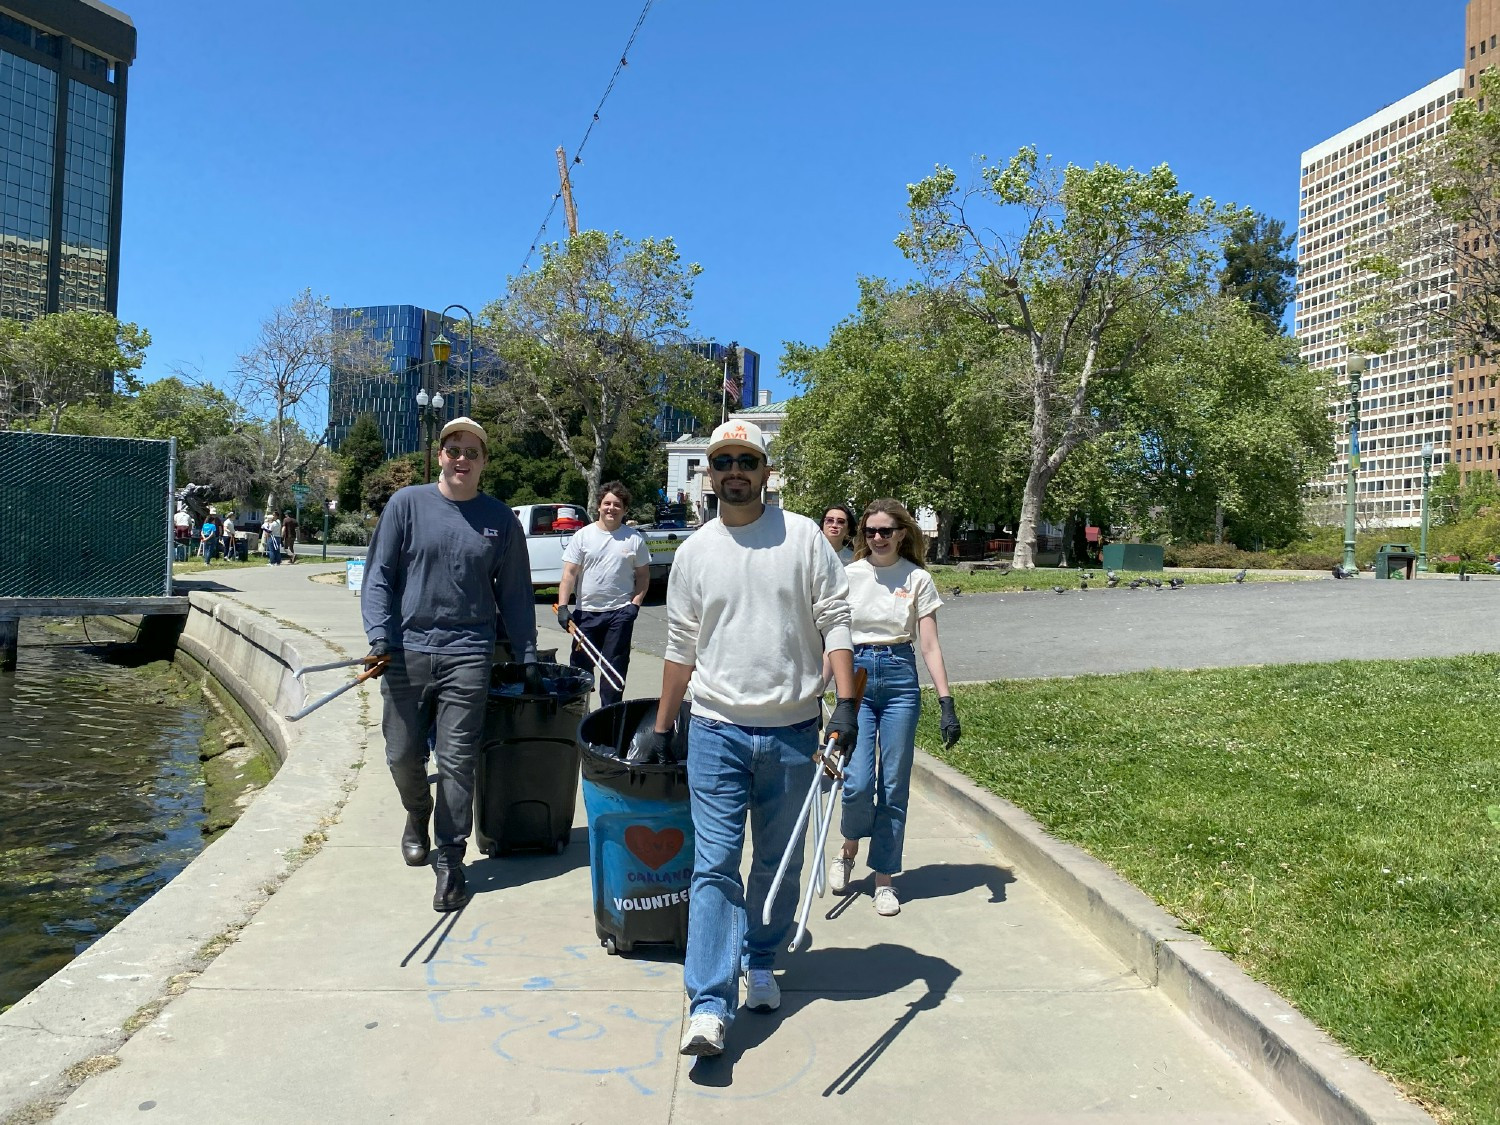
(347, 999)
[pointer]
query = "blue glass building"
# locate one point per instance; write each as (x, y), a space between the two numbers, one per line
(63, 67)
(672, 422)
(406, 333)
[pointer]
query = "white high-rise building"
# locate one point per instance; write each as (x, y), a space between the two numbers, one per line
(1407, 394)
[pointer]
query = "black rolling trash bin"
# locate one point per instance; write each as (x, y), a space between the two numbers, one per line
(527, 781)
(640, 831)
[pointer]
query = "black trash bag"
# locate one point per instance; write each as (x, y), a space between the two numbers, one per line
(637, 751)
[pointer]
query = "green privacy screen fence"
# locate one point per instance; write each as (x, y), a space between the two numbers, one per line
(84, 517)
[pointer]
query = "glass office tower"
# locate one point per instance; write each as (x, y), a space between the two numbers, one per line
(63, 66)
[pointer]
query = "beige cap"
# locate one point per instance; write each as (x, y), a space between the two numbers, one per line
(745, 434)
(468, 424)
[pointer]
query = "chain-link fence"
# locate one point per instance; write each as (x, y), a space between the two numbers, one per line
(84, 517)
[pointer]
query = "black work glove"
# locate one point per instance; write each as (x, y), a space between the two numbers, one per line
(949, 724)
(564, 615)
(655, 749)
(632, 611)
(533, 680)
(377, 659)
(842, 729)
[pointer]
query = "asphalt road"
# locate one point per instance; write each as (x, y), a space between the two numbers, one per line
(1019, 636)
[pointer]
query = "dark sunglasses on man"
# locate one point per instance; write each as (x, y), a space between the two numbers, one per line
(723, 462)
(454, 452)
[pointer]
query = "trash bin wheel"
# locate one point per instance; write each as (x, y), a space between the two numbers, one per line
(562, 844)
(609, 947)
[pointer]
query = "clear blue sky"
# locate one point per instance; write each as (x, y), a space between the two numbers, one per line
(389, 153)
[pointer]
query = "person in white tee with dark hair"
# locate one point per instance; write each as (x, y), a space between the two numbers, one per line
(892, 602)
(611, 567)
(756, 599)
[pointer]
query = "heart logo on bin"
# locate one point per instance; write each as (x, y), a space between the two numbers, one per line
(654, 849)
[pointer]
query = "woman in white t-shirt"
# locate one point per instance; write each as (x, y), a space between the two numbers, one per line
(893, 603)
(610, 567)
(838, 529)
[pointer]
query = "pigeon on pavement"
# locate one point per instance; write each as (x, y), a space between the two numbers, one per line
(1058, 590)
(1154, 583)
(1113, 580)
(1240, 577)
(1176, 583)
(957, 591)
(1135, 583)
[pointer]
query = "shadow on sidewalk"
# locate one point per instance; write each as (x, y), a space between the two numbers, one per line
(836, 974)
(520, 868)
(941, 880)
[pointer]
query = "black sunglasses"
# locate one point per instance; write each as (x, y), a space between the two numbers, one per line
(455, 451)
(881, 532)
(747, 462)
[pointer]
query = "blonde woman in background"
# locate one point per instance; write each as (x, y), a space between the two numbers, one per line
(893, 604)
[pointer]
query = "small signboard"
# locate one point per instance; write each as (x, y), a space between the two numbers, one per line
(354, 574)
(300, 491)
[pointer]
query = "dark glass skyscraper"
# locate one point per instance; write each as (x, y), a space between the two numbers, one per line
(63, 65)
(672, 422)
(407, 331)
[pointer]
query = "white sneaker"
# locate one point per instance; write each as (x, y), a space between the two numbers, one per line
(886, 902)
(839, 870)
(762, 993)
(705, 1035)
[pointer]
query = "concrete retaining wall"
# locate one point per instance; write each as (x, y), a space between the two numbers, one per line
(84, 1009)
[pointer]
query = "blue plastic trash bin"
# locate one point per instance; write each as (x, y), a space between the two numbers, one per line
(640, 832)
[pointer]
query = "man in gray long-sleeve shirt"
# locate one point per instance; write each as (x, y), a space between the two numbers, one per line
(444, 559)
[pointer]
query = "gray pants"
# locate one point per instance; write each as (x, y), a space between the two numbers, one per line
(419, 687)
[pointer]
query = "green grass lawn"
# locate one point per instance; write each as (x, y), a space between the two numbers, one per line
(196, 565)
(1042, 580)
(1335, 828)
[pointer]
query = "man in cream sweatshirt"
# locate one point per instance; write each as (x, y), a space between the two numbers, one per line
(756, 598)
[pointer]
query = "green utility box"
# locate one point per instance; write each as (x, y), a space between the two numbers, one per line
(1134, 556)
(1395, 560)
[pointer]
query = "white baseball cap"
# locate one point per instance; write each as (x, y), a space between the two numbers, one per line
(746, 434)
(468, 425)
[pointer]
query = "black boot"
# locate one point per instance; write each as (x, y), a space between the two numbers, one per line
(416, 842)
(452, 891)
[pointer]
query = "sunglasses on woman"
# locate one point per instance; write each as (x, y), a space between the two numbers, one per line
(747, 462)
(880, 532)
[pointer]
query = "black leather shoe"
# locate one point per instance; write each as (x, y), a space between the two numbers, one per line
(416, 841)
(452, 889)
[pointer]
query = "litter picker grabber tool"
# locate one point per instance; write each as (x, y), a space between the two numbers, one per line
(329, 667)
(368, 674)
(831, 758)
(591, 650)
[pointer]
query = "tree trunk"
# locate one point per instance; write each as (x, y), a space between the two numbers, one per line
(944, 546)
(1031, 514)
(1218, 524)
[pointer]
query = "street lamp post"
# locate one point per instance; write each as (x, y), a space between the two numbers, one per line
(1356, 367)
(1426, 484)
(468, 359)
(428, 411)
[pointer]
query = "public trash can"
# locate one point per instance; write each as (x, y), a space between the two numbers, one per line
(640, 832)
(526, 784)
(242, 546)
(1395, 560)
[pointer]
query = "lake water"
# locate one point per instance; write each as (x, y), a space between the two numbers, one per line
(101, 795)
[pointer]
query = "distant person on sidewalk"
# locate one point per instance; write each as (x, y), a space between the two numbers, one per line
(893, 602)
(444, 560)
(756, 598)
(208, 537)
(271, 534)
(289, 535)
(610, 566)
(838, 528)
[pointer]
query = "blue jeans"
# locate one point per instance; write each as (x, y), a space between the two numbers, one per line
(732, 771)
(875, 800)
(273, 549)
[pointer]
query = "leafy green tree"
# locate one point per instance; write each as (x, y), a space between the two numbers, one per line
(1082, 267)
(1222, 419)
(590, 339)
(902, 401)
(1259, 267)
(362, 452)
(1455, 500)
(383, 483)
(61, 359)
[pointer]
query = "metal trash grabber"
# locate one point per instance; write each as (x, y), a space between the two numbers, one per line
(330, 666)
(831, 758)
(367, 674)
(591, 650)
